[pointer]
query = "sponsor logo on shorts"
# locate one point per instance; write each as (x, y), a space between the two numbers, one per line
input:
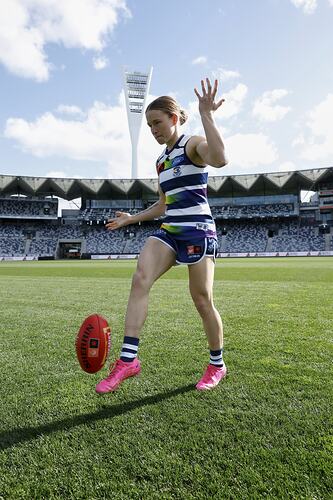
(193, 250)
(190, 250)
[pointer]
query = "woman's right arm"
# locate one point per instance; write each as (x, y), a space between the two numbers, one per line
(153, 212)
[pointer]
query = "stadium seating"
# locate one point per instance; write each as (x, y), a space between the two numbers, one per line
(17, 208)
(33, 238)
(251, 211)
(243, 237)
(295, 238)
(12, 240)
(100, 241)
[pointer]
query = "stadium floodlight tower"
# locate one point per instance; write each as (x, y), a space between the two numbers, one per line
(136, 86)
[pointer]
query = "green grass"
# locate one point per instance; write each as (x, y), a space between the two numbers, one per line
(265, 432)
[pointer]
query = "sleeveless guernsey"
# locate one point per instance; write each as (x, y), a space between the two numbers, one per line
(188, 215)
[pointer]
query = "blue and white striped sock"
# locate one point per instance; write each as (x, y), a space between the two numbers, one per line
(129, 351)
(216, 358)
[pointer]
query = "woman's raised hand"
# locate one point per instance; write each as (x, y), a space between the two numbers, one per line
(121, 219)
(207, 99)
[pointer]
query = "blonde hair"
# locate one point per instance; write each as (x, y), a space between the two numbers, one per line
(169, 106)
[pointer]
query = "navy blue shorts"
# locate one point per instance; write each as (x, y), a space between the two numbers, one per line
(188, 252)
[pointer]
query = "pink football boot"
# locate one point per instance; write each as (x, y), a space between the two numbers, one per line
(211, 377)
(118, 372)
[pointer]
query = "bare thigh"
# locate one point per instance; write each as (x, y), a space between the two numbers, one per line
(201, 279)
(154, 260)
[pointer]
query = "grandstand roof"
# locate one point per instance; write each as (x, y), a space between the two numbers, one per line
(229, 185)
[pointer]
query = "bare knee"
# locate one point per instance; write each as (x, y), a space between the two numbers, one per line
(203, 303)
(141, 281)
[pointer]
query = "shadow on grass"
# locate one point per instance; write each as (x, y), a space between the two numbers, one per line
(17, 436)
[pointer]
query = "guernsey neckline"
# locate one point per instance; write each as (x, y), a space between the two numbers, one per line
(167, 152)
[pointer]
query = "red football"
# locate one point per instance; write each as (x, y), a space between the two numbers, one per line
(93, 343)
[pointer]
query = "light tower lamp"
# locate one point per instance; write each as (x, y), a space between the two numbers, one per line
(136, 85)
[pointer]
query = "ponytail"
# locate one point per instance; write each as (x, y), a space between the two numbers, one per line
(182, 116)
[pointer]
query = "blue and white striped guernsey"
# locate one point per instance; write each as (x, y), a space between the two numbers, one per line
(188, 214)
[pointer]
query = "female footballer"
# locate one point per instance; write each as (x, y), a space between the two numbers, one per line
(186, 236)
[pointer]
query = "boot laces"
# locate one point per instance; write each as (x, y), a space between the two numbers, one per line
(114, 368)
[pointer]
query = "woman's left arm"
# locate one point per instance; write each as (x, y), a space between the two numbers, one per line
(211, 151)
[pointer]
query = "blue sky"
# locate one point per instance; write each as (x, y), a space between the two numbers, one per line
(62, 106)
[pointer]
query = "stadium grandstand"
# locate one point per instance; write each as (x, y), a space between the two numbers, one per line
(256, 215)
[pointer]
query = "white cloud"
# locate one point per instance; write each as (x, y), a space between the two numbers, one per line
(318, 143)
(102, 135)
(299, 140)
(200, 60)
(59, 174)
(26, 26)
(88, 139)
(100, 62)
(70, 110)
(287, 166)
(56, 174)
(233, 102)
(225, 75)
(21, 45)
(250, 151)
(308, 6)
(265, 108)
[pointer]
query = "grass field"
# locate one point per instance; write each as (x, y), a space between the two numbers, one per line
(265, 432)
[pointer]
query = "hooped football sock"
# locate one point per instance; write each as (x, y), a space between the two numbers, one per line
(129, 350)
(216, 358)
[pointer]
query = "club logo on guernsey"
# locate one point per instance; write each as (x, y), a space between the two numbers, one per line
(177, 171)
